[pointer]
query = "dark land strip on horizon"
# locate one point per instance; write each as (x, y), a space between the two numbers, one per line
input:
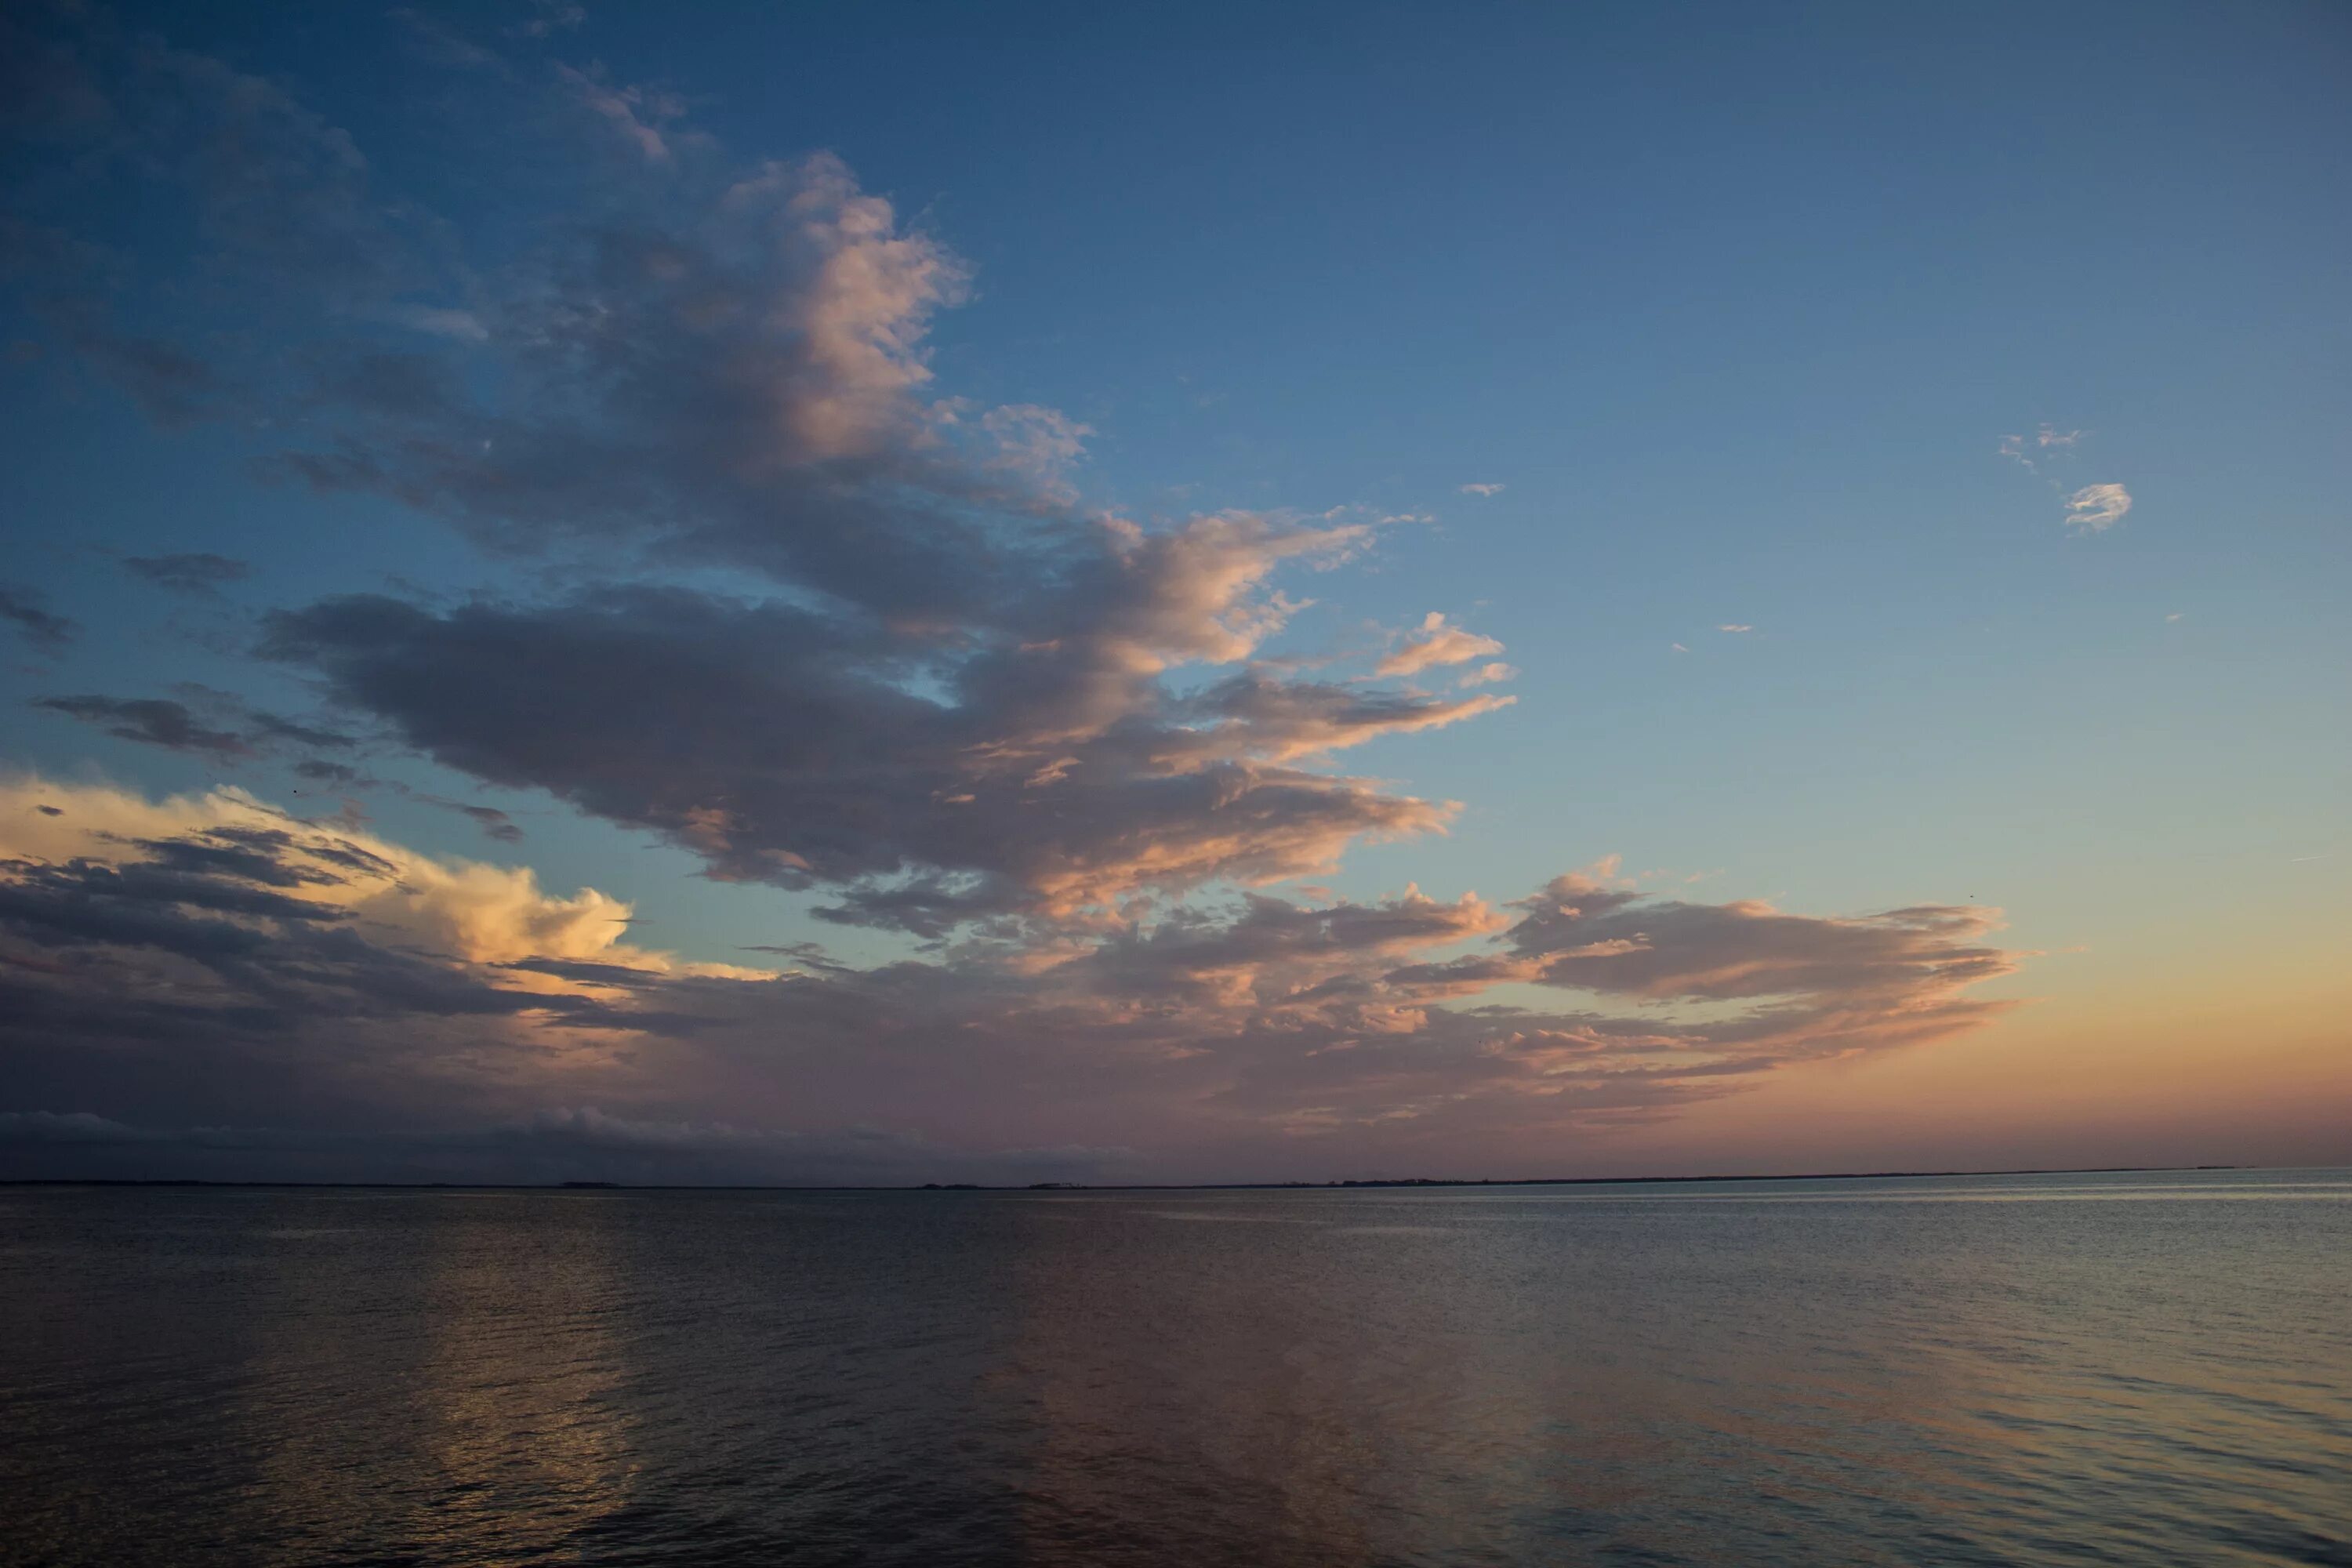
(1408, 1182)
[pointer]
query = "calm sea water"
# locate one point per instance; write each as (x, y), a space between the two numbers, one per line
(2078, 1369)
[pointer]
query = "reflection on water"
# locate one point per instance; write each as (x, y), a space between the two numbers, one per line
(1994, 1370)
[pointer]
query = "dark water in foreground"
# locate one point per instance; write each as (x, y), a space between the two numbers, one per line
(2078, 1369)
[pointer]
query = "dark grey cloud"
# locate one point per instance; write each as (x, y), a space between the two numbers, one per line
(789, 746)
(287, 235)
(199, 571)
(172, 384)
(495, 824)
(210, 724)
(151, 722)
(334, 776)
(28, 610)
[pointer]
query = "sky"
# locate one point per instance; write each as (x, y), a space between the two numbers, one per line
(895, 593)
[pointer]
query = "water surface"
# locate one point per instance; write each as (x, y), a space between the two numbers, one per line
(2063, 1369)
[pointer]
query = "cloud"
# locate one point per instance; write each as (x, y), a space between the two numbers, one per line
(1040, 444)
(1487, 674)
(171, 385)
(1734, 626)
(495, 825)
(278, 204)
(2095, 508)
(437, 42)
(27, 610)
(553, 16)
(642, 116)
(494, 822)
(1483, 489)
(209, 722)
(2091, 509)
(197, 572)
(238, 955)
(309, 922)
(274, 961)
(2022, 449)
(943, 690)
(787, 605)
(1053, 776)
(151, 722)
(1678, 647)
(1435, 643)
(442, 321)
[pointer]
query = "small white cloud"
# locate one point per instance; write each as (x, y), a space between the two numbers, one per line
(2048, 438)
(1679, 648)
(1486, 673)
(463, 325)
(2094, 507)
(2174, 616)
(1734, 626)
(1482, 490)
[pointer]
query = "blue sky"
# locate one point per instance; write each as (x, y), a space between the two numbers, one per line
(1733, 312)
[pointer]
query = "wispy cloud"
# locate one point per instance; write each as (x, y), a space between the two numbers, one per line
(1734, 626)
(2095, 508)
(198, 573)
(1435, 642)
(198, 721)
(1040, 445)
(28, 610)
(151, 722)
(2026, 451)
(439, 43)
(551, 17)
(1483, 489)
(442, 322)
(643, 115)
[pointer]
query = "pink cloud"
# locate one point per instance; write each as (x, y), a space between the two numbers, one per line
(1435, 643)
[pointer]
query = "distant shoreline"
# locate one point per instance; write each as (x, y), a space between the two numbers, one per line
(1357, 1185)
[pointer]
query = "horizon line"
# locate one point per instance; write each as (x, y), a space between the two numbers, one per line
(1341, 1185)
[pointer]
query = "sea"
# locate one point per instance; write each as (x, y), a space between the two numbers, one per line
(2123, 1368)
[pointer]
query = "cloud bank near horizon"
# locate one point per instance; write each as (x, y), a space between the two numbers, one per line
(212, 957)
